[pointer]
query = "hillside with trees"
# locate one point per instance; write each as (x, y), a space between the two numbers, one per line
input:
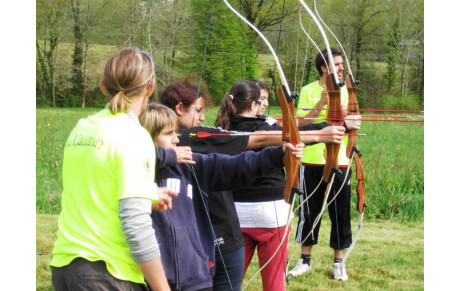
(384, 40)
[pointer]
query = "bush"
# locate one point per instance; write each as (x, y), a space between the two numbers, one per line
(409, 102)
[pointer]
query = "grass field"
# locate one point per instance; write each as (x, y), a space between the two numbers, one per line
(392, 160)
(389, 254)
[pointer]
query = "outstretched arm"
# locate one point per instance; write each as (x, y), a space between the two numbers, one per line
(329, 134)
(223, 172)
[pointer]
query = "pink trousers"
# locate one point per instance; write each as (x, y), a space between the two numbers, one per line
(267, 240)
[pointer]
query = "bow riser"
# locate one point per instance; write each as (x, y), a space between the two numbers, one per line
(290, 134)
(353, 109)
(335, 117)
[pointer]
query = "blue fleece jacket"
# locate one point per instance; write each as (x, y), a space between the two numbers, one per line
(184, 233)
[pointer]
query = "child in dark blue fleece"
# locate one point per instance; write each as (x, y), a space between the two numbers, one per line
(184, 233)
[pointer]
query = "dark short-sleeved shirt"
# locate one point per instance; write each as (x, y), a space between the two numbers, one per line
(221, 205)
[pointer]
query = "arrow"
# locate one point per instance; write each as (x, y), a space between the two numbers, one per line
(203, 134)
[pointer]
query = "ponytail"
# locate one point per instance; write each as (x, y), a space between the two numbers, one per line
(226, 112)
(241, 96)
(119, 103)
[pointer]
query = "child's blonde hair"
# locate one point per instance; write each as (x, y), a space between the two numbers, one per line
(157, 117)
(126, 74)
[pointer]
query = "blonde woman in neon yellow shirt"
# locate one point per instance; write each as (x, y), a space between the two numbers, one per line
(105, 238)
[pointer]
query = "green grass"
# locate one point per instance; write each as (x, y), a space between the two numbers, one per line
(392, 160)
(45, 236)
(53, 127)
(388, 256)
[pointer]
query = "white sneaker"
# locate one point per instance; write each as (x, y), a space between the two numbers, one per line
(299, 268)
(340, 273)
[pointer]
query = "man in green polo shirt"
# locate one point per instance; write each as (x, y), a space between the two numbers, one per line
(314, 96)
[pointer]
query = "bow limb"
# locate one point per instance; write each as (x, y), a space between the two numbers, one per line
(323, 34)
(353, 243)
(352, 148)
(310, 38)
(290, 130)
(336, 38)
(290, 134)
(278, 64)
(355, 154)
(353, 109)
(334, 117)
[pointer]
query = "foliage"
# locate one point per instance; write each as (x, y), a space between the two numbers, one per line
(174, 32)
(51, 18)
(392, 55)
(230, 53)
(409, 102)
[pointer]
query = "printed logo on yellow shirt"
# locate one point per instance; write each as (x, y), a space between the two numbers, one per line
(147, 165)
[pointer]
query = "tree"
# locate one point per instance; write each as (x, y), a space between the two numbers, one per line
(410, 17)
(265, 14)
(86, 20)
(77, 59)
(230, 52)
(50, 25)
(173, 33)
(392, 55)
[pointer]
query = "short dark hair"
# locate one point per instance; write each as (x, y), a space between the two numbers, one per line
(179, 92)
(319, 60)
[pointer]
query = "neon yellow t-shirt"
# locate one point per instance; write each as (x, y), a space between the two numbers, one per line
(107, 158)
(309, 96)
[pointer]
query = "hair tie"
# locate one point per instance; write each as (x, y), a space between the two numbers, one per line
(231, 96)
(122, 90)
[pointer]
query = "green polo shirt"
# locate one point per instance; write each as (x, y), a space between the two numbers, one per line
(107, 158)
(309, 96)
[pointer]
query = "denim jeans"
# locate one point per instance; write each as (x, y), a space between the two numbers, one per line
(234, 264)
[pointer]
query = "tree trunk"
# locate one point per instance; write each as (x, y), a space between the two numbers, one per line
(77, 62)
(404, 72)
(51, 58)
(44, 71)
(133, 24)
(85, 61)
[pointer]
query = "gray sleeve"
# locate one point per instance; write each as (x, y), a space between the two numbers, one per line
(137, 226)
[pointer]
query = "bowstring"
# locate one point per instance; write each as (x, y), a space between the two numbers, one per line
(361, 215)
(277, 223)
(205, 50)
(202, 194)
(316, 221)
(191, 167)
